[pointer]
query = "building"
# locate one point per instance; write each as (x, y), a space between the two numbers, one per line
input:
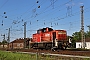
(78, 43)
(18, 43)
(3, 45)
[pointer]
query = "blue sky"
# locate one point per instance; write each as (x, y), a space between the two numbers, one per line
(58, 14)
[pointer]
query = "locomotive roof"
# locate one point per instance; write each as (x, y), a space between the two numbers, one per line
(46, 28)
(50, 29)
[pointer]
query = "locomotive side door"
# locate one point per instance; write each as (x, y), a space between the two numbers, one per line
(54, 37)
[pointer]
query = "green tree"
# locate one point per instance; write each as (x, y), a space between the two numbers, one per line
(76, 36)
(4, 42)
(87, 34)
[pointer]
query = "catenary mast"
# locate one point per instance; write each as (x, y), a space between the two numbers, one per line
(82, 28)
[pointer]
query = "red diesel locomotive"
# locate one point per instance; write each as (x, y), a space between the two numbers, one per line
(47, 38)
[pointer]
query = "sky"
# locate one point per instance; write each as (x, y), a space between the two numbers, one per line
(57, 14)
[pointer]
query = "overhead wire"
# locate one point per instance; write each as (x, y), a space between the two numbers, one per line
(74, 13)
(4, 3)
(64, 18)
(14, 19)
(28, 16)
(43, 10)
(64, 4)
(55, 20)
(33, 5)
(27, 10)
(55, 11)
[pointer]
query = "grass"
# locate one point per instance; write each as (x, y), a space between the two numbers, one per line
(20, 56)
(15, 56)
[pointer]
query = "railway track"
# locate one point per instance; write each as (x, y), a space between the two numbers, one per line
(55, 54)
(63, 52)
